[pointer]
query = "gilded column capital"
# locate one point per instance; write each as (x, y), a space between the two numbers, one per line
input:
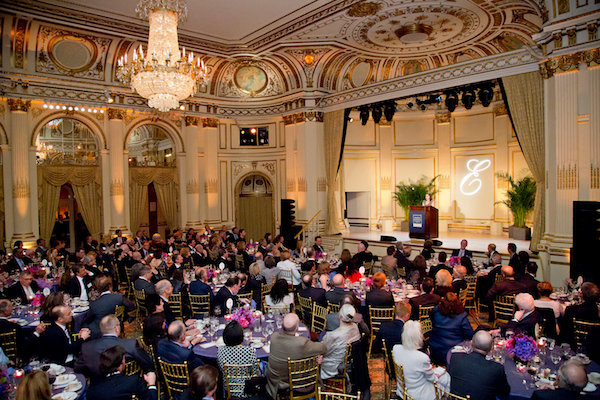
(117, 188)
(554, 65)
(592, 57)
(443, 118)
(21, 189)
(116, 113)
(19, 105)
(210, 123)
(192, 121)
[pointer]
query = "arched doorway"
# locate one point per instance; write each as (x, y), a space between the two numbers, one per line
(254, 206)
(152, 179)
(69, 181)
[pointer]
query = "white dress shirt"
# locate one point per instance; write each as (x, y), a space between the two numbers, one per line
(66, 331)
(84, 294)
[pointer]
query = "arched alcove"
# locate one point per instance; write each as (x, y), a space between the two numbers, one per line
(254, 209)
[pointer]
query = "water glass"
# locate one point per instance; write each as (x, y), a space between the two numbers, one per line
(550, 343)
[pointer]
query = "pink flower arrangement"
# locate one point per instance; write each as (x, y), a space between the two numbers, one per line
(244, 317)
(522, 347)
(369, 282)
(38, 300)
(454, 261)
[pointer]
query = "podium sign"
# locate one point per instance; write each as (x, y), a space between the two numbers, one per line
(423, 222)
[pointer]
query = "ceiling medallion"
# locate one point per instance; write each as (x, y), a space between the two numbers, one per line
(364, 9)
(163, 74)
(250, 79)
(414, 33)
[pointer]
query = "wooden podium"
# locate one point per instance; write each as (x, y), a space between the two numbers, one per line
(423, 221)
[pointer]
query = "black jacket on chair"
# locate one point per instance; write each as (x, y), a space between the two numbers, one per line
(379, 298)
(55, 346)
(391, 331)
(471, 374)
(121, 387)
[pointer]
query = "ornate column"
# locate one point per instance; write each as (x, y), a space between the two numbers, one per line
(210, 172)
(386, 173)
(444, 196)
(192, 186)
(119, 203)
(21, 195)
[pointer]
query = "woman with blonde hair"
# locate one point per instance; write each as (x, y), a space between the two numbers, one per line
(443, 283)
(323, 271)
(34, 386)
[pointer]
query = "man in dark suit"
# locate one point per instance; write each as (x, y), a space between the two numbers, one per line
(392, 331)
(462, 252)
(458, 279)
(586, 311)
(176, 349)
(378, 296)
(27, 338)
(525, 318)
(16, 263)
(143, 282)
(337, 292)
(41, 248)
(505, 287)
(56, 344)
(513, 260)
(116, 385)
(491, 250)
(88, 363)
(308, 291)
(119, 239)
(318, 247)
(363, 255)
(402, 255)
(200, 285)
(571, 379)
(442, 265)
(81, 283)
(428, 298)
(528, 280)
(229, 291)
(105, 305)
(25, 289)
(471, 374)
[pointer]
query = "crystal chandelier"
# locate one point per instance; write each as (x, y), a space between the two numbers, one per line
(163, 74)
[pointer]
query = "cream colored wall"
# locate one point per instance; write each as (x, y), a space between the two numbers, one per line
(416, 144)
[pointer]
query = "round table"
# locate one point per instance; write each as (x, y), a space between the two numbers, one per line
(209, 350)
(33, 320)
(520, 390)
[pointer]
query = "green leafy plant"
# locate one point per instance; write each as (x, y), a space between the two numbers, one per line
(413, 193)
(520, 198)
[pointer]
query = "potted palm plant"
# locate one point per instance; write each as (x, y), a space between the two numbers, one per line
(520, 200)
(412, 194)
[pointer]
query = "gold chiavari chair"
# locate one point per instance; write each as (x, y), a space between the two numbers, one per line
(200, 304)
(175, 376)
(265, 289)
(176, 305)
(305, 307)
(425, 319)
(441, 394)
(150, 350)
(498, 278)
(336, 396)
(319, 318)
(401, 271)
(239, 262)
(8, 342)
(235, 376)
(120, 314)
(213, 254)
(368, 268)
(504, 309)
(400, 381)
(132, 368)
(333, 307)
(287, 275)
(469, 298)
(303, 377)
(581, 330)
(376, 317)
(140, 304)
(247, 296)
(391, 374)
(338, 384)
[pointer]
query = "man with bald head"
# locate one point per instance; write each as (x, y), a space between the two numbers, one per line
(176, 349)
(471, 374)
(571, 379)
(505, 287)
(286, 344)
(338, 291)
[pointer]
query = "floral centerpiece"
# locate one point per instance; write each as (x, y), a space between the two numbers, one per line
(38, 300)
(522, 347)
(454, 261)
(244, 317)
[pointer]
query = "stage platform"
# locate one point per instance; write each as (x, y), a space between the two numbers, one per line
(478, 242)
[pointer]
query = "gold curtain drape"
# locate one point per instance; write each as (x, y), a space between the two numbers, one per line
(2, 214)
(165, 185)
(525, 98)
(85, 182)
(333, 123)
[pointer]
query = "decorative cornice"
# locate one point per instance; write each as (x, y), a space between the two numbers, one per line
(116, 113)
(19, 105)
(308, 116)
(569, 62)
(592, 57)
(192, 121)
(210, 123)
(117, 188)
(443, 118)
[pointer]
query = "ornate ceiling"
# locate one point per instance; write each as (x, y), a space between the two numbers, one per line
(300, 52)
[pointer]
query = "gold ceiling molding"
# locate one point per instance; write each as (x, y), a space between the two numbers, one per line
(210, 123)
(592, 31)
(364, 9)
(19, 105)
(308, 116)
(592, 57)
(500, 110)
(19, 42)
(116, 113)
(560, 64)
(308, 59)
(443, 118)
(192, 121)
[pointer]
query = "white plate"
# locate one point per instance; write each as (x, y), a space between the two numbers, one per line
(73, 387)
(65, 396)
(583, 358)
(56, 369)
(554, 296)
(81, 309)
(34, 323)
(64, 380)
(594, 377)
(589, 388)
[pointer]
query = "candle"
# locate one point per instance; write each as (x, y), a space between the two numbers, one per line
(19, 373)
(228, 317)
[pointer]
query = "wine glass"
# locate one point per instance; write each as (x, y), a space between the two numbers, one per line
(218, 311)
(550, 343)
(269, 329)
(566, 348)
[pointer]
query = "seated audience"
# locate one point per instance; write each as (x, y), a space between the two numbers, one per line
(389, 263)
(586, 311)
(335, 342)
(24, 289)
(229, 291)
(450, 326)
(378, 296)
(177, 282)
(270, 271)
(143, 282)
(155, 326)
(505, 287)
(51, 301)
(176, 349)
(280, 296)
(418, 271)
(164, 289)
(285, 344)
(310, 292)
(105, 305)
(544, 301)
(56, 344)
(332, 320)
(402, 255)
(34, 386)
(88, 363)
(428, 250)
(427, 298)
(203, 384)
(468, 264)
(472, 374)
(323, 272)
(462, 252)
(234, 352)
(443, 283)
(458, 279)
(201, 285)
(363, 254)
(117, 386)
(419, 374)
(442, 265)
(255, 282)
(27, 338)
(526, 317)
(570, 381)
(287, 269)
(338, 291)
(527, 279)
(391, 331)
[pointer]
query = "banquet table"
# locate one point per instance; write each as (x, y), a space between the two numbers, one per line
(522, 384)
(33, 319)
(80, 378)
(209, 350)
